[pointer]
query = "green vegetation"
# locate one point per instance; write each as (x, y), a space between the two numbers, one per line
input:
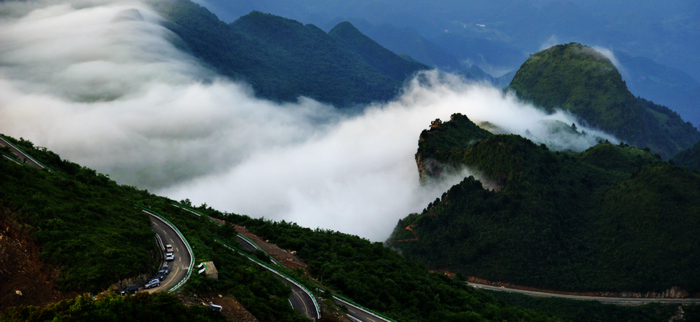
(87, 225)
(258, 290)
(689, 158)
(381, 279)
(107, 307)
(374, 54)
(369, 273)
(283, 59)
(594, 311)
(579, 79)
(80, 222)
(612, 218)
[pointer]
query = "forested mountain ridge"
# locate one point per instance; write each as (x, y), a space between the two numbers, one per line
(689, 157)
(283, 59)
(610, 219)
(87, 227)
(581, 80)
(374, 54)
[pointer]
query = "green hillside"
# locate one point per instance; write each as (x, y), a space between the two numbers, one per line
(689, 157)
(611, 218)
(578, 79)
(87, 226)
(374, 54)
(283, 59)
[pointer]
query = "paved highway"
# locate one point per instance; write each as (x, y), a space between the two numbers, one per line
(20, 155)
(301, 302)
(589, 298)
(179, 266)
(357, 313)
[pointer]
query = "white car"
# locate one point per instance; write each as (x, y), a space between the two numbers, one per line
(169, 257)
(152, 283)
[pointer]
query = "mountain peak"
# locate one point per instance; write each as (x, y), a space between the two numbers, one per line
(583, 81)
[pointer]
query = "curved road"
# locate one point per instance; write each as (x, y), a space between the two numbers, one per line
(581, 297)
(179, 266)
(301, 302)
(357, 313)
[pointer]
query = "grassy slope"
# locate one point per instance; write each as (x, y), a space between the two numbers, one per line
(612, 218)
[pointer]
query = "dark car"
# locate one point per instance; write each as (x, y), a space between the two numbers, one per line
(160, 276)
(131, 289)
(165, 269)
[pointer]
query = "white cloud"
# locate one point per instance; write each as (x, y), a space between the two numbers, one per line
(118, 97)
(550, 42)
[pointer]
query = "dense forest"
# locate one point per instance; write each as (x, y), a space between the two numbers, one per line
(579, 79)
(108, 307)
(689, 157)
(55, 205)
(283, 59)
(611, 218)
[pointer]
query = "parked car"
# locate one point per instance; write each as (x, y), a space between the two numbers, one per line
(215, 307)
(169, 248)
(169, 257)
(131, 289)
(152, 283)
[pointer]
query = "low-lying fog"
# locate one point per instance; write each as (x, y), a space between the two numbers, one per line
(100, 84)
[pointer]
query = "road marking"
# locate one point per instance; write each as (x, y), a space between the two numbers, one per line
(306, 309)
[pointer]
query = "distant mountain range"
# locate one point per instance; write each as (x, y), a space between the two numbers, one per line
(283, 59)
(652, 39)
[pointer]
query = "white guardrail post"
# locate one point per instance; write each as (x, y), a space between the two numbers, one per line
(184, 241)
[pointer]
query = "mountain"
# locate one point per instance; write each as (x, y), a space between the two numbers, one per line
(283, 59)
(408, 41)
(610, 219)
(84, 228)
(663, 85)
(689, 157)
(375, 55)
(581, 80)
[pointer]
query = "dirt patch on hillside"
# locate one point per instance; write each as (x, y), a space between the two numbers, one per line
(25, 279)
(230, 307)
(286, 257)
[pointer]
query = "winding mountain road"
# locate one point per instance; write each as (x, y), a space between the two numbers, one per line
(179, 266)
(300, 300)
(623, 300)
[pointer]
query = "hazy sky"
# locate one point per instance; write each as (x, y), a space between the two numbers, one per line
(100, 84)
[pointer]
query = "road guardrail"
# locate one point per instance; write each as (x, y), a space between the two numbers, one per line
(184, 241)
(275, 271)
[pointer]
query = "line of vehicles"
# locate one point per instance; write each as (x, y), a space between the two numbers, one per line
(159, 277)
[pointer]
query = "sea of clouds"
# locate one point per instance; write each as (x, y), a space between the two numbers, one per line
(100, 83)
